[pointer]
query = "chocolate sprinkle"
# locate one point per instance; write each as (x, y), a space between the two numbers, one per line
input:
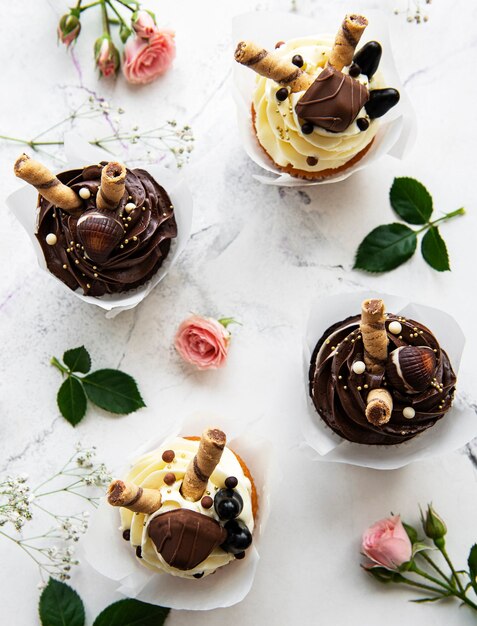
(168, 456)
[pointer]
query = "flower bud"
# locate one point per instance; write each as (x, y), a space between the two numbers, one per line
(144, 24)
(106, 56)
(433, 525)
(69, 29)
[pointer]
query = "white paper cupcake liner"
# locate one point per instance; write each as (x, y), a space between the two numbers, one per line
(397, 130)
(80, 153)
(107, 552)
(451, 432)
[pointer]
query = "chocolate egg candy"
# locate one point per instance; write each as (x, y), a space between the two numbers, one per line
(368, 58)
(410, 369)
(380, 101)
(228, 504)
(99, 233)
(239, 538)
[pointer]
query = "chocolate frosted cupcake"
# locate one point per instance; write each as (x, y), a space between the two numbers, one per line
(104, 229)
(380, 379)
(187, 508)
(316, 103)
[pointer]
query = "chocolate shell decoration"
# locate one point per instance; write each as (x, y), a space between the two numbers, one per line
(185, 538)
(104, 250)
(99, 233)
(411, 369)
(333, 101)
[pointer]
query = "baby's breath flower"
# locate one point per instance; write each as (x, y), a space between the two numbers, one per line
(81, 476)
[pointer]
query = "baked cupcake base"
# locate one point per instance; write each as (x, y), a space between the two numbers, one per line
(322, 174)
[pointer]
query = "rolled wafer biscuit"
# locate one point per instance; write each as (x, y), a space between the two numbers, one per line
(346, 40)
(379, 407)
(375, 338)
(47, 184)
(272, 66)
(134, 498)
(211, 446)
(113, 184)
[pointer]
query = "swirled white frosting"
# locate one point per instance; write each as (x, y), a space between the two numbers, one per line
(277, 124)
(149, 471)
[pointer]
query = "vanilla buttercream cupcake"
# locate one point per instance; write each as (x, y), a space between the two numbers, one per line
(187, 508)
(316, 104)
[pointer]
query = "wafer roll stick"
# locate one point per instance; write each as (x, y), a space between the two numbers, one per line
(375, 338)
(46, 183)
(134, 498)
(113, 184)
(379, 407)
(211, 446)
(272, 66)
(346, 40)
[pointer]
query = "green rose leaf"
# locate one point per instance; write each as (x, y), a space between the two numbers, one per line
(385, 248)
(60, 605)
(132, 613)
(411, 200)
(472, 563)
(434, 250)
(72, 400)
(77, 360)
(113, 391)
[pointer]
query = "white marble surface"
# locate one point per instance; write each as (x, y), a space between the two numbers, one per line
(260, 254)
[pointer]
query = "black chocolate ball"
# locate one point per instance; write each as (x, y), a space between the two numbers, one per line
(380, 101)
(298, 60)
(362, 123)
(228, 504)
(307, 128)
(368, 58)
(231, 482)
(239, 537)
(354, 70)
(282, 94)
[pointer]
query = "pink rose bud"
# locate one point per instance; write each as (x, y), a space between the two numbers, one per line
(144, 25)
(203, 342)
(146, 59)
(106, 55)
(387, 543)
(68, 29)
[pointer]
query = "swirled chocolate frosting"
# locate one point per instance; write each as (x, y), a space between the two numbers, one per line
(339, 394)
(333, 101)
(138, 253)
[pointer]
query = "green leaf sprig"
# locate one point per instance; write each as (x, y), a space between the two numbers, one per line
(110, 389)
(389, 246)
(60, 605)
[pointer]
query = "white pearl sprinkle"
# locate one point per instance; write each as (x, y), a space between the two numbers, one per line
(395, 328)
(51, 239)
(358, 367)
(409, 412)
(84, 193)
(130, 206)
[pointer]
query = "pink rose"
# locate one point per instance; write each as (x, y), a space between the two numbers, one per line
(387, 543)
(68, 29)
(107, 57)
(203, 342)
(146, 59)
(144, 25)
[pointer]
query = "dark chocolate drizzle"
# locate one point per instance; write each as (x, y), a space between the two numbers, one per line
(127, 267)
(343, 410)
(332, 101)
